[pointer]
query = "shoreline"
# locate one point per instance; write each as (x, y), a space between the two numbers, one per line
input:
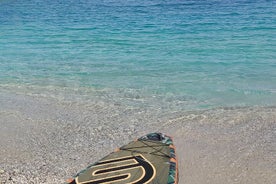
(46, 141)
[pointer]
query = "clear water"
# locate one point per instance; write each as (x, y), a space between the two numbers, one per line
(186, 54)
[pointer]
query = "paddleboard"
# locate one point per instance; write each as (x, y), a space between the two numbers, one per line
(149, 159)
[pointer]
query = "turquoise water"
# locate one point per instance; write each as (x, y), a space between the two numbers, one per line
(184, 54)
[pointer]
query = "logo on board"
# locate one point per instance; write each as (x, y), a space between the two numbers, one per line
(131, 169)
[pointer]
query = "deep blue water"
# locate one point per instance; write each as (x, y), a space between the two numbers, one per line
(189, 53)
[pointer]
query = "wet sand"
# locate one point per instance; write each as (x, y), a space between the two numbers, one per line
(44, 140)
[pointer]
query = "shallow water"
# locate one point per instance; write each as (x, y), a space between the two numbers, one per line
(80, 78)
(177, 54)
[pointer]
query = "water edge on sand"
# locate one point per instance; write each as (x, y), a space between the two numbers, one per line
(44, 140)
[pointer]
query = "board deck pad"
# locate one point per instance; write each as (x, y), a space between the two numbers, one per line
(149, 159)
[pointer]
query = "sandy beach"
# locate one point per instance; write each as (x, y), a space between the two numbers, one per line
(45, 140)
(79, 79)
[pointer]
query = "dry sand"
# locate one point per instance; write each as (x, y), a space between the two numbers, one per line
(44, 140)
